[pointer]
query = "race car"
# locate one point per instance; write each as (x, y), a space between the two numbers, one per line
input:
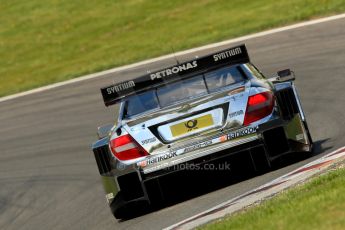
(207, 109)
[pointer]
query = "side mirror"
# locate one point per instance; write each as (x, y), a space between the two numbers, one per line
(285, 75)
(104, 130)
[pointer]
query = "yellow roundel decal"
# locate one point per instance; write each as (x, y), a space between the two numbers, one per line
(191, 125)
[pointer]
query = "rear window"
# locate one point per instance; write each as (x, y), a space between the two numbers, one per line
(182, 90)
(223, 77)
(140, 103)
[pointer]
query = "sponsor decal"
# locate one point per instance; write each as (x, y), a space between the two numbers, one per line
(235, 91)
(157, 159)
(241, 133)
(227, 54)
(174, 70)
(198, 146)
(191, 124)
(120, 87)
(235, 114)
(223, 138)
(142, 164)
(148, 141)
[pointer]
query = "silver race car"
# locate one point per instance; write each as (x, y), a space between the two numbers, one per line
(189, 116)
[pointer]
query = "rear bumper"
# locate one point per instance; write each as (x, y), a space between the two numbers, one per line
(170, 183)
(254, 152)
(206, 149)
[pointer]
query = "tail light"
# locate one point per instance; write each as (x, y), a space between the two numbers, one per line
(126, 148)
(259, 106)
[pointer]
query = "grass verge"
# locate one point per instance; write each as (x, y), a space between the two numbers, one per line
(319, 204)
(43, 42)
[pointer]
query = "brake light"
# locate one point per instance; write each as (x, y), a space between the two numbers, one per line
(126, 148)
(259, 106)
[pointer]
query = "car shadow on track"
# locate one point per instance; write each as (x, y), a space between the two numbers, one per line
(189, 184)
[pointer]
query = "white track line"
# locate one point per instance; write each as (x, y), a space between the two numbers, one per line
(149, 61)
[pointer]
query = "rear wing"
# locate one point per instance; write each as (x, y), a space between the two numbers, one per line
(117, 92)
